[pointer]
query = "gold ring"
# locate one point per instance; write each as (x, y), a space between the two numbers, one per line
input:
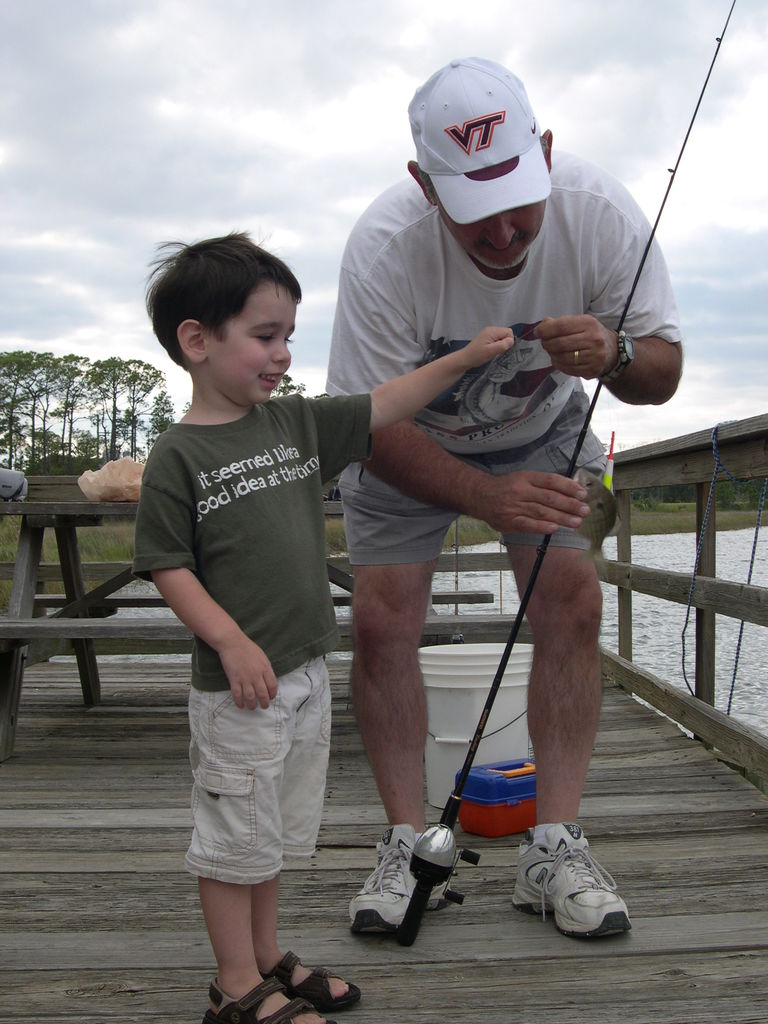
(576, 357)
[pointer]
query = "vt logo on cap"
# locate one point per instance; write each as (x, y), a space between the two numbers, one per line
(477, 139)
(478, 128)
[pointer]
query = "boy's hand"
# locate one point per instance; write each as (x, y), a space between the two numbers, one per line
(490, 342)
(251, 679)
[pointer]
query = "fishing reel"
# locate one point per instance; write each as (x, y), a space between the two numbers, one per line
(433, 861)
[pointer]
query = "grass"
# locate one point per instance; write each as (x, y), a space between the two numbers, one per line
(113, 542)
(680, 517)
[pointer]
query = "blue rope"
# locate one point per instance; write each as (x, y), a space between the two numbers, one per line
(760, 506)
(705, 522)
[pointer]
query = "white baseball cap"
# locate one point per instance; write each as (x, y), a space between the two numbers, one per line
(478, 140)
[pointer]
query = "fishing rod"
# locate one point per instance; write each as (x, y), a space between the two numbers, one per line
(434, 857)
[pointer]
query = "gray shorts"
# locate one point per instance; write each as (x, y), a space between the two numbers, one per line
(259, 777)
(385, 527)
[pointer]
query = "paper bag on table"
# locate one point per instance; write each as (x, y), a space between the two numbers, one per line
(119, 480)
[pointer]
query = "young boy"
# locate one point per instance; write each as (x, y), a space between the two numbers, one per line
(231, 530)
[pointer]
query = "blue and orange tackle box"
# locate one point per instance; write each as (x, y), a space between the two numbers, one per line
(499, 799)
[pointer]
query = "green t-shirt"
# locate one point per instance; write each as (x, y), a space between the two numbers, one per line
(241, 505)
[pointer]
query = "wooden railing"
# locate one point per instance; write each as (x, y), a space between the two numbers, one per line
(742, 447)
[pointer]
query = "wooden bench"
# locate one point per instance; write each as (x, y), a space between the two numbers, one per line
(109, 605)
(23, 632)
(84, 620)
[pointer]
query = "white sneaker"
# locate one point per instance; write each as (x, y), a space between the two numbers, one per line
(563, 877)
(381, 904)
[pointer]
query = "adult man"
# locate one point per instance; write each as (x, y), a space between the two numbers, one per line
(497, 230)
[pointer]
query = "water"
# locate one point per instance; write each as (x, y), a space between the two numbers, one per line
(657, 625)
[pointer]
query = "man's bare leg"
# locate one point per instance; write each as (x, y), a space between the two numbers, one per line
(563, 712)
(390, 705)
(389, 606)
(565, 686)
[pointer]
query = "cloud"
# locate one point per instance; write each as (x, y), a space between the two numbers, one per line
(125, 125)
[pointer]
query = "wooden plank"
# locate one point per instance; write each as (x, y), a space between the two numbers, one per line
(20, 604)
(101, 922)
(739, 743)
(53, 627)
(142, 628)
(706, 527)
(89, 602)
(753, 427)
(51, 571)
(49, 511)
(690, 458)
(645, 988)
(74, 588)
(521, 938)
(477, 561)
(98, 604)
(624, 552)
(734, 600)
(438, 597)
(53, 488)
(745, 461)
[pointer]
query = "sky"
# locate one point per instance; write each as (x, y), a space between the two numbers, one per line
(127, 123)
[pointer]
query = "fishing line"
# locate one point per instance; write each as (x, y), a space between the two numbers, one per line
(429, 862)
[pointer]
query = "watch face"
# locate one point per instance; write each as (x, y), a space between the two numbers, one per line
(626, 353)
(626, 348)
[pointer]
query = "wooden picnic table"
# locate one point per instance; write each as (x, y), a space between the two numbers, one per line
(65, 517)
(85, 615)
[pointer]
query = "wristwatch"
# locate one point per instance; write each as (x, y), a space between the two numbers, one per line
(626, 346)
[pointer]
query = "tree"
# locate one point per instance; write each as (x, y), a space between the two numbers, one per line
(85, 450)
(15, 368)
(111, 380)
(39, 387)
(71, 393)
(141, 379)
(161, 416)
(106, 384)
(47, 401)
(287, 386)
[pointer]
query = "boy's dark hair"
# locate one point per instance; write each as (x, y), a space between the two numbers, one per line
(209, 281)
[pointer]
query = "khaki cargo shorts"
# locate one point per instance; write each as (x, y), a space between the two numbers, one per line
(259, 777)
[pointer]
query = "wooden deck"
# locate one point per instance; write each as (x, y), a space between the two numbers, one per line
(100, 923)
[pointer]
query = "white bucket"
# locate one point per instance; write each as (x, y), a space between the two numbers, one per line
(457, 679)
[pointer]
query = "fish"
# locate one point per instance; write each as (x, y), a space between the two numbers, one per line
(602, 511)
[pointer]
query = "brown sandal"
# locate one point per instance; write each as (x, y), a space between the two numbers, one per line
(243, 1011)
(316, 988)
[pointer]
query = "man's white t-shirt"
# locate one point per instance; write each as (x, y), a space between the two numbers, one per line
(409, 293)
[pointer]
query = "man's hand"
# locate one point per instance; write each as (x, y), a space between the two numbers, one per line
(522, 502)
(529, 502)
(578, 345)
(248, 669)
(582, 347)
